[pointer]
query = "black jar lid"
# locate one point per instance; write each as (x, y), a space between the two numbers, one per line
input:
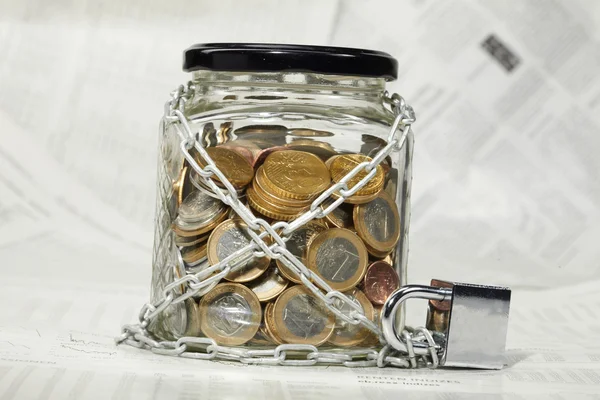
(256, 57)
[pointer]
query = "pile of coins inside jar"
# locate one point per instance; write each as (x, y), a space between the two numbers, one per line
(262, 302)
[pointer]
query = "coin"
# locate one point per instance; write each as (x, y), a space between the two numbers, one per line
(269, 324)
(301, 318)
(371, 338)
(296, 174)
(346, 334)
(261, 338)
(185, 229)
(230, 314)
(340, 217)
(183, 241)
(380, 281)
(199, 183)
(443, 305)
(297, 244)
(181, 319)
(355, 199)
(262, 156)
(193, 254)
(199, 207)
(437, 320)
(339, 257)
(177, 320)
(389, 259)
(260, 185)
(378, 224)
(229, 237)
(178, 185)
(247, 148)
(269, 285)
(340, 166)
(271, 210)
(234, 166)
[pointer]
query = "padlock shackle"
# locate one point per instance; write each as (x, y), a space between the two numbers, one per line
(390, 308)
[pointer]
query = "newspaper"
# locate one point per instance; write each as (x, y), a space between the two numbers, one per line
(506, 186)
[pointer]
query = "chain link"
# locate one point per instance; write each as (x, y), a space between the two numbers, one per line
(270, 240)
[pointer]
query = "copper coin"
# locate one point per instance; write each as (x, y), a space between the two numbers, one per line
(380, 282)
(440, 305)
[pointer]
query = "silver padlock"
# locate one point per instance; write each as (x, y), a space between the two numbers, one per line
(471, 322)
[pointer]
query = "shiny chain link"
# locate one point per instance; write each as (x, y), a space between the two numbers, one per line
(198, 283)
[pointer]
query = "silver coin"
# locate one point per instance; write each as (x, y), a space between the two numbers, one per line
(229, 314)
(380, 220)
(343, 328)
(297, 244)
(192, 226)
(198, 206)
(303, 316)
(268, 283)
(342, 213)
(337, 259)
(233, 240)
(175, 317)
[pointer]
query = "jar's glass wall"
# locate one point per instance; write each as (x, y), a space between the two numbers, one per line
(255, 115)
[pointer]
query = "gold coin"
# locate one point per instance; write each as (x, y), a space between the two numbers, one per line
(388, 259)
(296, 174)
(269, 285)
(378, 224)
(193, 254)
(371, 339)
(342, 165)
(378, 255)
(229, 237)
(357, 199)
(230, 314)
(233, 165)
(339, 257)
(330, 160)
(178, 186)
(261, 338)
(277, 202)
(340, 217)
(298, 246)
(268, 209)
(259, 184)
(269, 324)
(346, 334)
(301, 318)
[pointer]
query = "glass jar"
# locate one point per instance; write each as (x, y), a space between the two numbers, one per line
(283, 124)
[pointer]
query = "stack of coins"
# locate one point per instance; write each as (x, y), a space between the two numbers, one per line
(263, 302)
(286, 184)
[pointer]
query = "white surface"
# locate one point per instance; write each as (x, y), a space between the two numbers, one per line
(506, 188)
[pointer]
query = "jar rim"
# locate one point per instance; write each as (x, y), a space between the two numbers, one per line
(259, 57)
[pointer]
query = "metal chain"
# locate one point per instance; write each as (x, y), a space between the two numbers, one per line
(275, 248)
